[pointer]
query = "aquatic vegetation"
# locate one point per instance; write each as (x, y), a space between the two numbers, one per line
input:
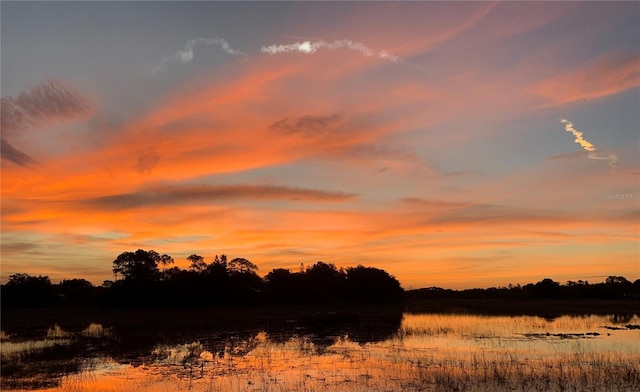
(56, 332)
(96, 331)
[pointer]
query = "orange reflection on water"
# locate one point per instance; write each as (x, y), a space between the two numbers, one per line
(428, 352)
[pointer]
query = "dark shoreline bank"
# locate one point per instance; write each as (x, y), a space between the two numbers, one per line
(255, 316)
(525, 307)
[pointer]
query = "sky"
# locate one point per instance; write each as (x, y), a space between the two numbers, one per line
(451, 144)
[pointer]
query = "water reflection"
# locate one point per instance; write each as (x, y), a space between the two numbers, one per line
(336, 353)
(36, 362)
(621, 318)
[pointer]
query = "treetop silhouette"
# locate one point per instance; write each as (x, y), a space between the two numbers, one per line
(143, 278)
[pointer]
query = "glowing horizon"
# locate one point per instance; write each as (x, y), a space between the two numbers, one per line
(426, 139)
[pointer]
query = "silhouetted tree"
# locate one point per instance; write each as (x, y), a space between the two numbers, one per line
(78, 285)
(138, 266)
(171, 273)
(577, 289)
(617, 280)
(282, 286)
(617, 287)
(547, 288)
(197, 263)
(76, 291)
(241, 266)
(27, 290)
(370, 284)
(142, 280)
(244, 282)
(164, 260)
(322, 282)
(218, 266)
(222, 260)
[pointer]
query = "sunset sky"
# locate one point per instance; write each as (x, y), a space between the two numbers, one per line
(423, 138)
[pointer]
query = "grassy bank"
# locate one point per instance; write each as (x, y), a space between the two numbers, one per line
(543, 308)
(40, 319)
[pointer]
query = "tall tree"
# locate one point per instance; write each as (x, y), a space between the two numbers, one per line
(370, 284)
(137, 266)
(197, 263)
(242, 266)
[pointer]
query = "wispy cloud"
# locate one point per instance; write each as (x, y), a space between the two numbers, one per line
(45, 103)
(609, 74)
(416, 202)
(10, 153)
(310, 47)
(147, 161)
(175, 194)
(587, 146)
(185, 55)
(307, 125)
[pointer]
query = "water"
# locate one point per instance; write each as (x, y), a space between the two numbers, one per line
(330, 352)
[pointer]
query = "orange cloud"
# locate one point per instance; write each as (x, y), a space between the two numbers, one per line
(428, 233)
(609, 74)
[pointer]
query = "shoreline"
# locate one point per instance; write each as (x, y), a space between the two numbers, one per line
(260, 314)
(525, 307)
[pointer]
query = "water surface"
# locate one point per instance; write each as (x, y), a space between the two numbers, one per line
(408, 352)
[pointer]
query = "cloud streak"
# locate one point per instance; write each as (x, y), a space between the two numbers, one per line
(45, 103)
(194, 194)
(310, 47)
(307, 125)
(588, 146)
(609, 74)
(10, 153)
(185, 55)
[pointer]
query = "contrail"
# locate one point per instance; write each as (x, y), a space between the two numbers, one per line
(311, 47)
(185, 54)
(587, 146)
(569, 128)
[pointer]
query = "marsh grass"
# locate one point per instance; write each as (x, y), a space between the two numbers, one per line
(23, 350)
(96, 331)
(395, 366)
(34, 364)
(56, 332)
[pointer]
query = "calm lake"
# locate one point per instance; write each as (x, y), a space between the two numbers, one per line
(333, 352)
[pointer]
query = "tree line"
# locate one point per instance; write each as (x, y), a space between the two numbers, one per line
(614, 287)
(146, 278)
